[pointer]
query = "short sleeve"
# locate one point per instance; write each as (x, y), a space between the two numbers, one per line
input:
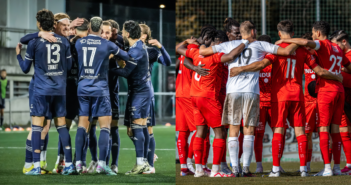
(345, 61)
(192, 52)
(217, 57)
(269, 48)
(271, 57)
(226, 46)
(30, 50)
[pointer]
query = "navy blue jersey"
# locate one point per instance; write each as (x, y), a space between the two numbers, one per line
(72, 75)
(93, 64)
(51, 63)
(137, 71)
(158, 55)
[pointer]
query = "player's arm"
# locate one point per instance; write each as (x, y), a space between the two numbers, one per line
(45, 35)
(205, 51)
(125, 72)
(323, 73)
(256, 66)
(182, 47)
(188, 63)
(28, 60)
(289, 50)
(68, 56)
(119, 52)
(163, 56)
(301, 42)
(177, 66)
(233, 54)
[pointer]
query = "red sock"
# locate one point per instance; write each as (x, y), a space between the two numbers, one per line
(336, 147)
(309, 155)
(224, 155)
(302, 143)
(346, 142)
(191, 146)
(324, 146)
(283, 145)
(258, 146)
(218, 147)
(206, 150)
(241, 140)
(277, 143)
(182, 144)
(198, 148)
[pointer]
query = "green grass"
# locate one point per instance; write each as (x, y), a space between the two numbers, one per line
(12, 161)
(291, 177)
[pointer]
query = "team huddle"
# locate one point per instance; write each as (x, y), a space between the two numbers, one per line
(77, 65)
(233, 83)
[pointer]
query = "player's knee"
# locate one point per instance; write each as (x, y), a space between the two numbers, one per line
(151, 131)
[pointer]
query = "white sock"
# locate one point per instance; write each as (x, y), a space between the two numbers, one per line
(58, 159)
(78, 162)
(183, 166)
(327, 167)
(189, 160)
(215, 168)
(248, 146)
(259, 165)
(303, 168)
(276, 169)
(68, 164)
(102, 163)
(140, 160)
(336, 166)
(203, 166)
(28, 165)
(198, 167)
(233, 148)
(37, 165)
(348, 165)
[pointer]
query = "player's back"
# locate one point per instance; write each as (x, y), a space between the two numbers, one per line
(50, 65)
(265, 82)
(310, 76)
(183, 82)
(93, 65)
(287, 74)
(330, 57)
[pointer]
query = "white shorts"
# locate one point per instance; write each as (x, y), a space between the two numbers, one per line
(239, 106)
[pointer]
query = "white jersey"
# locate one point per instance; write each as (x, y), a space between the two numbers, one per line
(255, 51)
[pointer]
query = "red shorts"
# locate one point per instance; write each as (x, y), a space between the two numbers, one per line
(330, 107)
(207, 112)
(345, 122)
(311, 117)
(265, 116)
(184, 115)
(294, 111)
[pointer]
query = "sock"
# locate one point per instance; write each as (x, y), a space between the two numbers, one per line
(277, 143)
(182, 145)
(215, 167)
(224, 154)
(198, 148)
(309, 155)
(233, 148)
(109, 150)
(46, 142)
(101, 163)
(330, 153)
(64, 137)
(139, 141)
(36, 135)
(42, 143)
(283, 146)
(259, 165)
(103, 143)
(146, 142)
(115, 145)
(93, 143)
(324, 146)
(218, 147)
(303, 145)
(151, 153)
(85, 150)
(29, 154)
(1, 121)
(206, 150)
(248, 145)
(336, 147)
(80, 142)
(258, 146)
(276, 168)
(346, 142)
(191, 146)
(241, 139)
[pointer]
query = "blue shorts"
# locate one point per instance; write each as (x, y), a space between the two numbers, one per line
(2, 103)
(72, 106)
(48, 106)
(94, 106)
(137, 107)
(114, 105)
(31, 94)
(151, 119)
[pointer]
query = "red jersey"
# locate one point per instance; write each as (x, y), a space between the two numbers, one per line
(183, 82)
(346, 82)
(310, 76)
(206, 86)
(330, 57)
(287, 74)
(265, 82)
(224, 73)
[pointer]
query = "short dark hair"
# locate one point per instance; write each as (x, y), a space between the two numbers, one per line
(246, 27)
(322, 26)
(46, 19)
(133, 28)
(114, 24)
(229, 23)
(95, 23)
(3, 70)
(265, 38)
(307, 36)
(221, 36)
(84, 26)
(286, 26)
(339, 35)
(208, 30)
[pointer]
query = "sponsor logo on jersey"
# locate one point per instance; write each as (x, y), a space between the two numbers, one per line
(93, 41)
(82, 41)
(309, 71)
(262, 75)
(335, 49)
(266, 80)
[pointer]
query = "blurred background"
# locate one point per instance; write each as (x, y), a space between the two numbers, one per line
(17, 18)
(191, 15)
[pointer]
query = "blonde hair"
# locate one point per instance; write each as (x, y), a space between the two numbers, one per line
(59, 16)
(145, 29)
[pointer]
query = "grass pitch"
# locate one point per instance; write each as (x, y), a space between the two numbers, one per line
(12, 156)
(290, 177)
